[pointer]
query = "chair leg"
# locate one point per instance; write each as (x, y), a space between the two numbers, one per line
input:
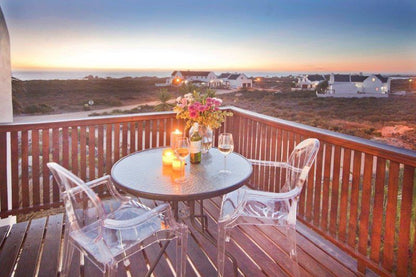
(66, 263)
(222, 237)
(111, 272)
(181, 250)
(291, 234)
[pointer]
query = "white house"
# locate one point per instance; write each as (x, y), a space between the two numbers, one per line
(309, 82)
(6, 107)
(235, 80)
(204, 78)
(347, 85)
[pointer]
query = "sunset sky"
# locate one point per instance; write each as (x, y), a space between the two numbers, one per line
(273, 35)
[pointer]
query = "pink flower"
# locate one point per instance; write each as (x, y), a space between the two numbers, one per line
(203, 108)
(193, 114)
(182, 103)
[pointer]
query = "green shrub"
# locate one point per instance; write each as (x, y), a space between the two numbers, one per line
(38, 108)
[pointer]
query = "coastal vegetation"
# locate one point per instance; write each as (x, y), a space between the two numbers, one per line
(390, 120)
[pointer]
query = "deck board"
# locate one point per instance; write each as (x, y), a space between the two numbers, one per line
(49, 261)
(31, 248)
(11, 247)
(259, 251)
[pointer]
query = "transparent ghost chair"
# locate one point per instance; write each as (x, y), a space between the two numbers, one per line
(108, 237)
(252, 207)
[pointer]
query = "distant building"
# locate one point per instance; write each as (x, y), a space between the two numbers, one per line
(309, 82)
(347, 85)
(199, 78)
(235, 80)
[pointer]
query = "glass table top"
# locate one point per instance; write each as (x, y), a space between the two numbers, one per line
(143, 174)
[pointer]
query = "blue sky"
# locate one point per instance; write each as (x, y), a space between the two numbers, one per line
(296, 35)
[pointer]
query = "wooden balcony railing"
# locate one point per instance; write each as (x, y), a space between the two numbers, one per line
(360, 195)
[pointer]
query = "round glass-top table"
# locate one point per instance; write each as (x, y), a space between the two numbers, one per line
(143, 174)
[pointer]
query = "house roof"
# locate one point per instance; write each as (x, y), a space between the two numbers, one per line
(382, 78)
(188, 73)
(341, 77)
(358, 78)
(233, 76)
(224, 75)
(316, 77)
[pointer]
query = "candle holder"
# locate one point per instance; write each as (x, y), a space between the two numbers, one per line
(168, 156)
(178, 165)
(174, 137)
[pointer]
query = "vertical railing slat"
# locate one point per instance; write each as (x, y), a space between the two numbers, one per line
(325, 187)
(15, 169)
(147, 135)
(45, 171)
(35, 167)
(124, 145)
(3, 172)
(24, 182)
(132, 126)
(140, 136)
(55, 158)
(405, 217)
(269, 157)
(108, 147)
(154, 132)
(83, 152)
(116, 141)
(273, 157)
(91, 152)
(365, 208)
(100, 150)
(318, 188)
(378, 210)
(261, 151)
(355, 190)
(391, 210)
(74, 149)
(345, 186)
(335, 191)
(65, 147)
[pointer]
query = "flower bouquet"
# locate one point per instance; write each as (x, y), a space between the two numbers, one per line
(200, 108)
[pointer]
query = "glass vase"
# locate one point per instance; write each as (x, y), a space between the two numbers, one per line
(207, 134)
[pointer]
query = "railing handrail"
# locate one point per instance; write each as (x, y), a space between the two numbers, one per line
(372, 147)
(108, 119)
(365, 145)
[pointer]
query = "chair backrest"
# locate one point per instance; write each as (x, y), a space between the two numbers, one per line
(82, 205)
(300, 162)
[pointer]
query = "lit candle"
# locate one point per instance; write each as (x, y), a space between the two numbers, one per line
(177, 164)
(167, 156)
(174, 137)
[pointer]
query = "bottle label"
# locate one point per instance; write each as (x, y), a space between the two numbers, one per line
(195, 146)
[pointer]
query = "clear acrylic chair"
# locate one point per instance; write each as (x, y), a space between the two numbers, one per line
(252, 207)
(109, 236)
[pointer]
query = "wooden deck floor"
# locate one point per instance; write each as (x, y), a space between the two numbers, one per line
(34, 248)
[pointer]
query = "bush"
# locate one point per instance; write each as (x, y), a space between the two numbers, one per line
(38, 108)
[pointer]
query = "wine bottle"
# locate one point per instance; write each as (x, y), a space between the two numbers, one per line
(195, 145)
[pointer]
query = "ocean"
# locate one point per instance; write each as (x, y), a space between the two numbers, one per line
(70, 75)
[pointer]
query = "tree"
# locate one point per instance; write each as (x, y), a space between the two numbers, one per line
(322, 87)
(164, 97)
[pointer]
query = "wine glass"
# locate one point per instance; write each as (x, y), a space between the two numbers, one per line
(182, 148)
(226, 146)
